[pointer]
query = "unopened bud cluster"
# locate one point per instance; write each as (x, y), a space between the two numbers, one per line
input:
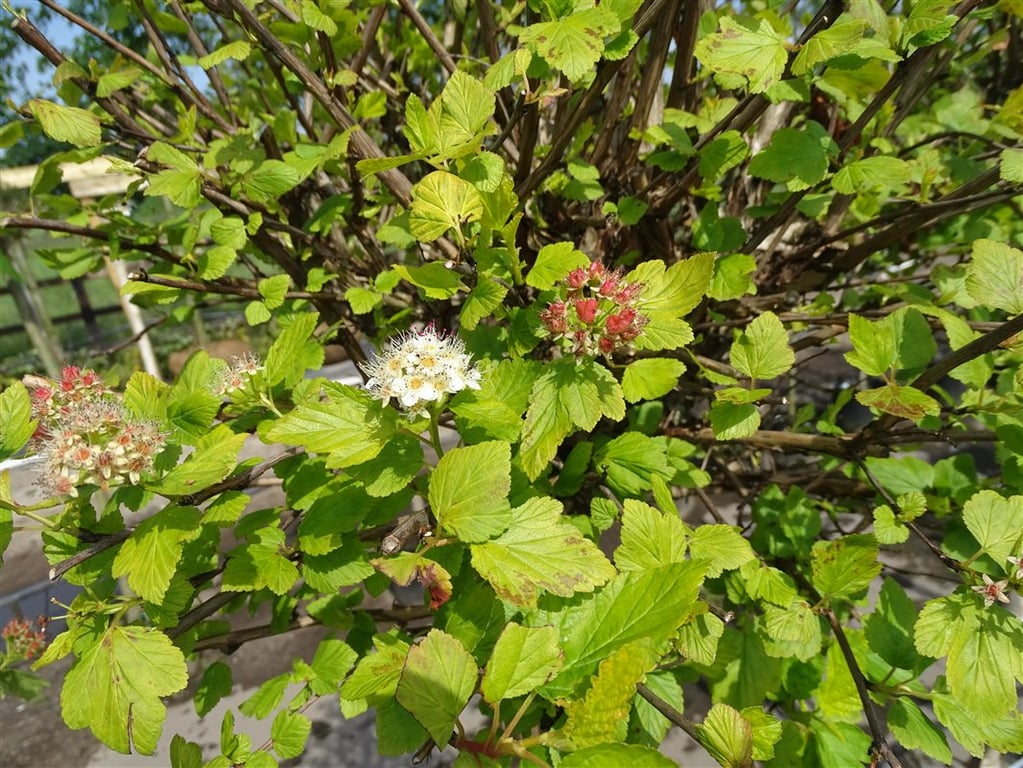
(22, 640)
(598, 314)
(87, 436)
(421, 367)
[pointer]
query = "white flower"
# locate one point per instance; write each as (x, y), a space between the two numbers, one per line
(421, 367)
(992, 590)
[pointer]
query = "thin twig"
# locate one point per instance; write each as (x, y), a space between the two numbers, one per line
(879, 747)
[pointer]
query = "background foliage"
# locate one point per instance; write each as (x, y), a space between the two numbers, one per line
(819, 206)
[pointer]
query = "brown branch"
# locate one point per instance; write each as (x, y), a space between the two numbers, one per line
(360, 142)
(235, 482)
(979, 346)
(949, 562)
(673, 715)
(879, 748)
(58, 225)
(228, 289)
(644, 19)
(845, 447)
(78, 558)
(427, 33)
(229, 642)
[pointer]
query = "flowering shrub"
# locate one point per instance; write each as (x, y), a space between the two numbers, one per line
(729, 391)
(598, 313)
(23, 642)
(87, 436)
(421, 367)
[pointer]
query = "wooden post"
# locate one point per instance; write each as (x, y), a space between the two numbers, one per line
(37, 323)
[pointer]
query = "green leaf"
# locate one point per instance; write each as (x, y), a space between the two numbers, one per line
(333, 660)
(887, 529)
(727, 736)
(184, 754)
(674, 292)
(602, 715)
(929, 22)
(871, 173)
(289, 733)
(350, 426)
(172, 157)
(732, 277)
(698, 638)
(16, 423)
(183, 188)
(650, 378)
(721, 546)
(273, 290)
(540, 551)
(214, 262)
(436, 683)
(796, 157)
(762, 351)
(841, 37)
(293, 351)
(191, 410)
(764, 582)
(267, 698)
(260, 564)
(318, 20)
(573, 43)
(111, 82)
(889, 629)
(794, 629)
(553, 263)
(650, 538)
(485, 297)
(442, 201)
(469, 491)
(393, 468)
(752, 49)
(845, 567)
(436, 280)
(523, 659)
(731, 421)
(645, 604)
(840, 744)
(604, 755)
(237, 49)
(216, 683)
(914, 730)
(902, 475)
(115, 685)
(363, 300)
(631, 461)
(1011, 164)
(996, 523)
(901, 341)
(150, 556)
(467, 106)
(212, 461)
(994, 276)
(71, 124)
(566, 395)
(722, 154)
(904, 402)
(268, 181)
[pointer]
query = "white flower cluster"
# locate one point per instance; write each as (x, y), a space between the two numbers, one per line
(421, 367)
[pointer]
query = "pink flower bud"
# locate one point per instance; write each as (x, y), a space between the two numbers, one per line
(586, 310)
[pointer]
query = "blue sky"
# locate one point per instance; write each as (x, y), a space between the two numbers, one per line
(59, 32)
